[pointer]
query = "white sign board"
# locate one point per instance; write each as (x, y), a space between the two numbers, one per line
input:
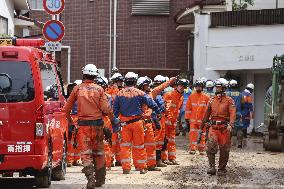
(51, 46)
(242, 57)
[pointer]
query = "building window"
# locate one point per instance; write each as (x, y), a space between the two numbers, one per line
(3, 25)
(150, 7)
(36, 4)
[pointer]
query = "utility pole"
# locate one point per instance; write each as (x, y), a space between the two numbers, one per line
(110, 37)
(114, 32)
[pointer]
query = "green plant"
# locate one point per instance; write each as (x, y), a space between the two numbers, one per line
(238, 5)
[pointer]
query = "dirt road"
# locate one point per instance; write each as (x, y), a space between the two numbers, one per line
(248, 168)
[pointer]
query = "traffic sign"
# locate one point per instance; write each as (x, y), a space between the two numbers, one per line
(53, 46)
(53, 30)
(53, 6)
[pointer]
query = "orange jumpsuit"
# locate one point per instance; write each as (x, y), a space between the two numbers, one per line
(174, 101)
(195, 110)
(107, 146)
(150, 141)
(128, 106)
(221, 111)
(92, 104)
(116, 137)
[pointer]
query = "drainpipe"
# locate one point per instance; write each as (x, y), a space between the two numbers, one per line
(114, 32)
(277, 4)
(110, 37)
(68, 63)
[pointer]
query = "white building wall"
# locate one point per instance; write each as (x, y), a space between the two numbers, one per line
(7, 11)
(236, 48)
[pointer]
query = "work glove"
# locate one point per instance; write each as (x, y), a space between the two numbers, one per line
(116, 127)
(108, 135)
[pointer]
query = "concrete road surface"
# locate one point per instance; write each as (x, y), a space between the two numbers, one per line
(250, 167)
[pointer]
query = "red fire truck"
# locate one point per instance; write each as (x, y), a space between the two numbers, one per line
(33, 130)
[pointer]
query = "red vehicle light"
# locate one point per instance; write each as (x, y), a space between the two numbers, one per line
(10, 54)
(30, 42)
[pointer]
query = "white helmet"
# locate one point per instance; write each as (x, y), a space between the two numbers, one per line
(131, 76)
(116, 77)
(159, 79)
(224, 81)
(105, 80)
(250, 86)
(90, 69)
(143, 81)
(233, 83)
(78, 82)
(209, 84)
(203, 79)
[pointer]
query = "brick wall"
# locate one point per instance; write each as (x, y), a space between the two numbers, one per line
(142, 42)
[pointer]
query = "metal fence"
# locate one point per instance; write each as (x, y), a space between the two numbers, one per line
(247, 18)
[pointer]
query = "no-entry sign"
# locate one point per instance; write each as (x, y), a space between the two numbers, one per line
(53, 30)
(53, 6)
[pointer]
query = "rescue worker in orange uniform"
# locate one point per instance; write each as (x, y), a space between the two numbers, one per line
(151, 121)
(174, 101)
(73, 154)
(103, 82)
(116, 86)
(128, 107)
(92, 104)
(220, 115)
(160, 134)
(195, 110)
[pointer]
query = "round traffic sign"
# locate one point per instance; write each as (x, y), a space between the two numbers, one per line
(53, 30)
(53, 6)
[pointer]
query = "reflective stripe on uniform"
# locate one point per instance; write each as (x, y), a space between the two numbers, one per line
(173, 105)
(171, 153)
(151, 158)
(139, 147)
(125, 144)
(193, 142)
(150, 144)
(87, 152)
(99, 153)
(193, 130)
(159, 142)
(188, 112)
(141, 161)
(168, 122)
(128, 160)
(171, 140)
(113, 143)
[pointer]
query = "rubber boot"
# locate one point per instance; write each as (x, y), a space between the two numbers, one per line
(125, 171)
(211, 159)
(223, 160)
(159, 159)
(174, 162)
(117, 163)
(100, 176)
(143, 171)
(89, 173)
(153, 168)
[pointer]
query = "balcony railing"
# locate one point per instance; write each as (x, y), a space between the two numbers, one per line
(247, 18)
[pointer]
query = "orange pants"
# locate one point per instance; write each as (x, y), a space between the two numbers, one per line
(160, 134)
(115, 149)
(90, 140)
(193, 137)
(133, 134)
(108, 154)
(170, 137)
(150, 145)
